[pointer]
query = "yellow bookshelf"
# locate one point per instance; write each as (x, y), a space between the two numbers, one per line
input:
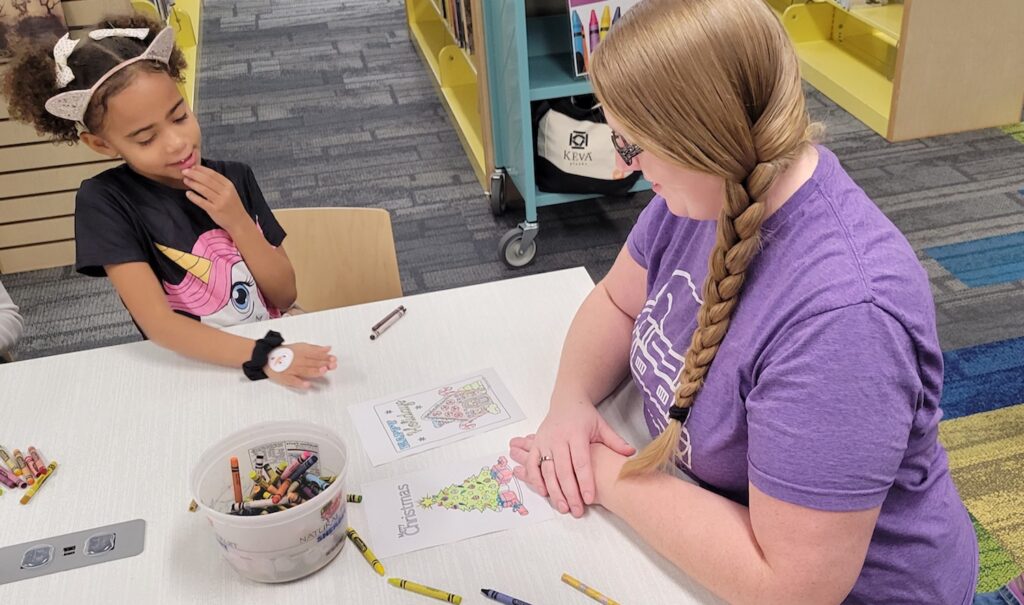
(455, 75)
(914, 68)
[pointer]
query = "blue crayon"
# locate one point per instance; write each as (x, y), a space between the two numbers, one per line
(615, 17)
(317, 481)
(577, 43)
(504, 599)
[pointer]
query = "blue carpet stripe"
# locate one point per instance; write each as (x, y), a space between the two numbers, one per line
(984, 262)
(983, 378)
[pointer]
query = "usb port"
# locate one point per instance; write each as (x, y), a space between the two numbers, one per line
(69, 550)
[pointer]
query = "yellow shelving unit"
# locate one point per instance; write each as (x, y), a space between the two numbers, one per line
(185, 18)
(914, 68)
(457, 76)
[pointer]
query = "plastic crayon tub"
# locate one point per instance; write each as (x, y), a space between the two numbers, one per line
(285, 545)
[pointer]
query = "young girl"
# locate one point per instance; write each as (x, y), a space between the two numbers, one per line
(800, 385)
(189, 243)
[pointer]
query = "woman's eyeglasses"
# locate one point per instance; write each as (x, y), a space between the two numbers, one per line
(627, 151)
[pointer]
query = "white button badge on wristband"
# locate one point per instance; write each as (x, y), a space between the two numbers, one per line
(280, 359)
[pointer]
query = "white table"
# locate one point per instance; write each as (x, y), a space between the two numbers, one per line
(127, 423)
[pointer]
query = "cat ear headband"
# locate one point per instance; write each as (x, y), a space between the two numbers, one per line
(72, 105)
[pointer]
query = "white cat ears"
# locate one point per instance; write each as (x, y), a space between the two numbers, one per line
(72, 105)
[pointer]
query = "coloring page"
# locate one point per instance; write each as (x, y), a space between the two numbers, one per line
(447, 504)
(398, 426)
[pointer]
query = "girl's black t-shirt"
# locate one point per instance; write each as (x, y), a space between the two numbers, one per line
(123, 217)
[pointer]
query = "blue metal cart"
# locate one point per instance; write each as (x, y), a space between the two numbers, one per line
(528, 60)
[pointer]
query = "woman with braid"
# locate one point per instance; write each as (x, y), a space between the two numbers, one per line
(781, 332)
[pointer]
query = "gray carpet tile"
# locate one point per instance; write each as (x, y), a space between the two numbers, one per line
(330, 104)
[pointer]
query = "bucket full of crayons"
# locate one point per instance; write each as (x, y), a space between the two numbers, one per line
(274, 494)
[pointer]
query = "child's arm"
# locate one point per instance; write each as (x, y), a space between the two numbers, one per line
(216, 194)
(142, 295)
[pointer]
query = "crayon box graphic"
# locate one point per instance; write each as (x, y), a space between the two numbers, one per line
(590, 21)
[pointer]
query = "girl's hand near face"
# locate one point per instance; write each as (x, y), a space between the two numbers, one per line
(216, 194)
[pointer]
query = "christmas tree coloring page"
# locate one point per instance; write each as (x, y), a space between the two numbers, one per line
(402, 425)
(444, 505)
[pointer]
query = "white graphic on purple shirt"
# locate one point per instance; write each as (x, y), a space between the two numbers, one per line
(654, 362)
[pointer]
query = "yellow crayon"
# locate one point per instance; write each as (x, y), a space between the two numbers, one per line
(366, 552)
(35, 488)
(19, 463)
(7, 459)
(606, 23)
(426, 591)
(590, 592)
(356, 498)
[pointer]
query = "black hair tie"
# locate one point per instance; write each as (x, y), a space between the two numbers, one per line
(253, 368)
(678, 412)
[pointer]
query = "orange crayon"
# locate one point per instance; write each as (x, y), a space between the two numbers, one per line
(236, 482)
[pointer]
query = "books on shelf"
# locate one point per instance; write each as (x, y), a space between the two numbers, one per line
(458, 16)
(589, 22)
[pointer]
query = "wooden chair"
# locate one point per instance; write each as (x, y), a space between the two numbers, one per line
(341, 256)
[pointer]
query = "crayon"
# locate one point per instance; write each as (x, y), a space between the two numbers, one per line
(579, 48)
(258, 504)
(356, 498)
(7, 459)
(317, 481)
(595, 32)
(606, 22)
(236, 482)
(615, 17)
(590, 592)
(365, 550)
(9, 479)
(30, 492)
(19, 462)
(266, 487)
(502, 598)
(425, 590)
(301, 469)
(40, 461)
(33, 466)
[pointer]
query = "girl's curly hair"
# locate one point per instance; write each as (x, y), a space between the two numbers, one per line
(32, 79)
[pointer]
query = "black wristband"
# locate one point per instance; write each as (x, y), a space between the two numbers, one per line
(254, 367)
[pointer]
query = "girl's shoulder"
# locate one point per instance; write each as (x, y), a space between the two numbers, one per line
(109, 185)
(236, 171)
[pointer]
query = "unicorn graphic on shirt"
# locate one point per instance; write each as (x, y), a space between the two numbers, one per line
(218, 287)
(654, 362)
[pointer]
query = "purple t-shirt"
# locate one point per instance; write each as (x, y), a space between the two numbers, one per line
(825, 391)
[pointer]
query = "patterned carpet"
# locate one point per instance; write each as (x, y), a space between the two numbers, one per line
(329, 103)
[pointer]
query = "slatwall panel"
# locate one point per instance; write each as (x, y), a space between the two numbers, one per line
(38, 179)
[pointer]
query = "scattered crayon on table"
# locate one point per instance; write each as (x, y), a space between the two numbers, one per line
(366, 552)
(426, 591)
(587, 590)
(26, 471)
(356, 498)
(30, 492)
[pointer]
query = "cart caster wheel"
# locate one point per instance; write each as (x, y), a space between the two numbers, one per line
(511, 252)
(496, 194)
